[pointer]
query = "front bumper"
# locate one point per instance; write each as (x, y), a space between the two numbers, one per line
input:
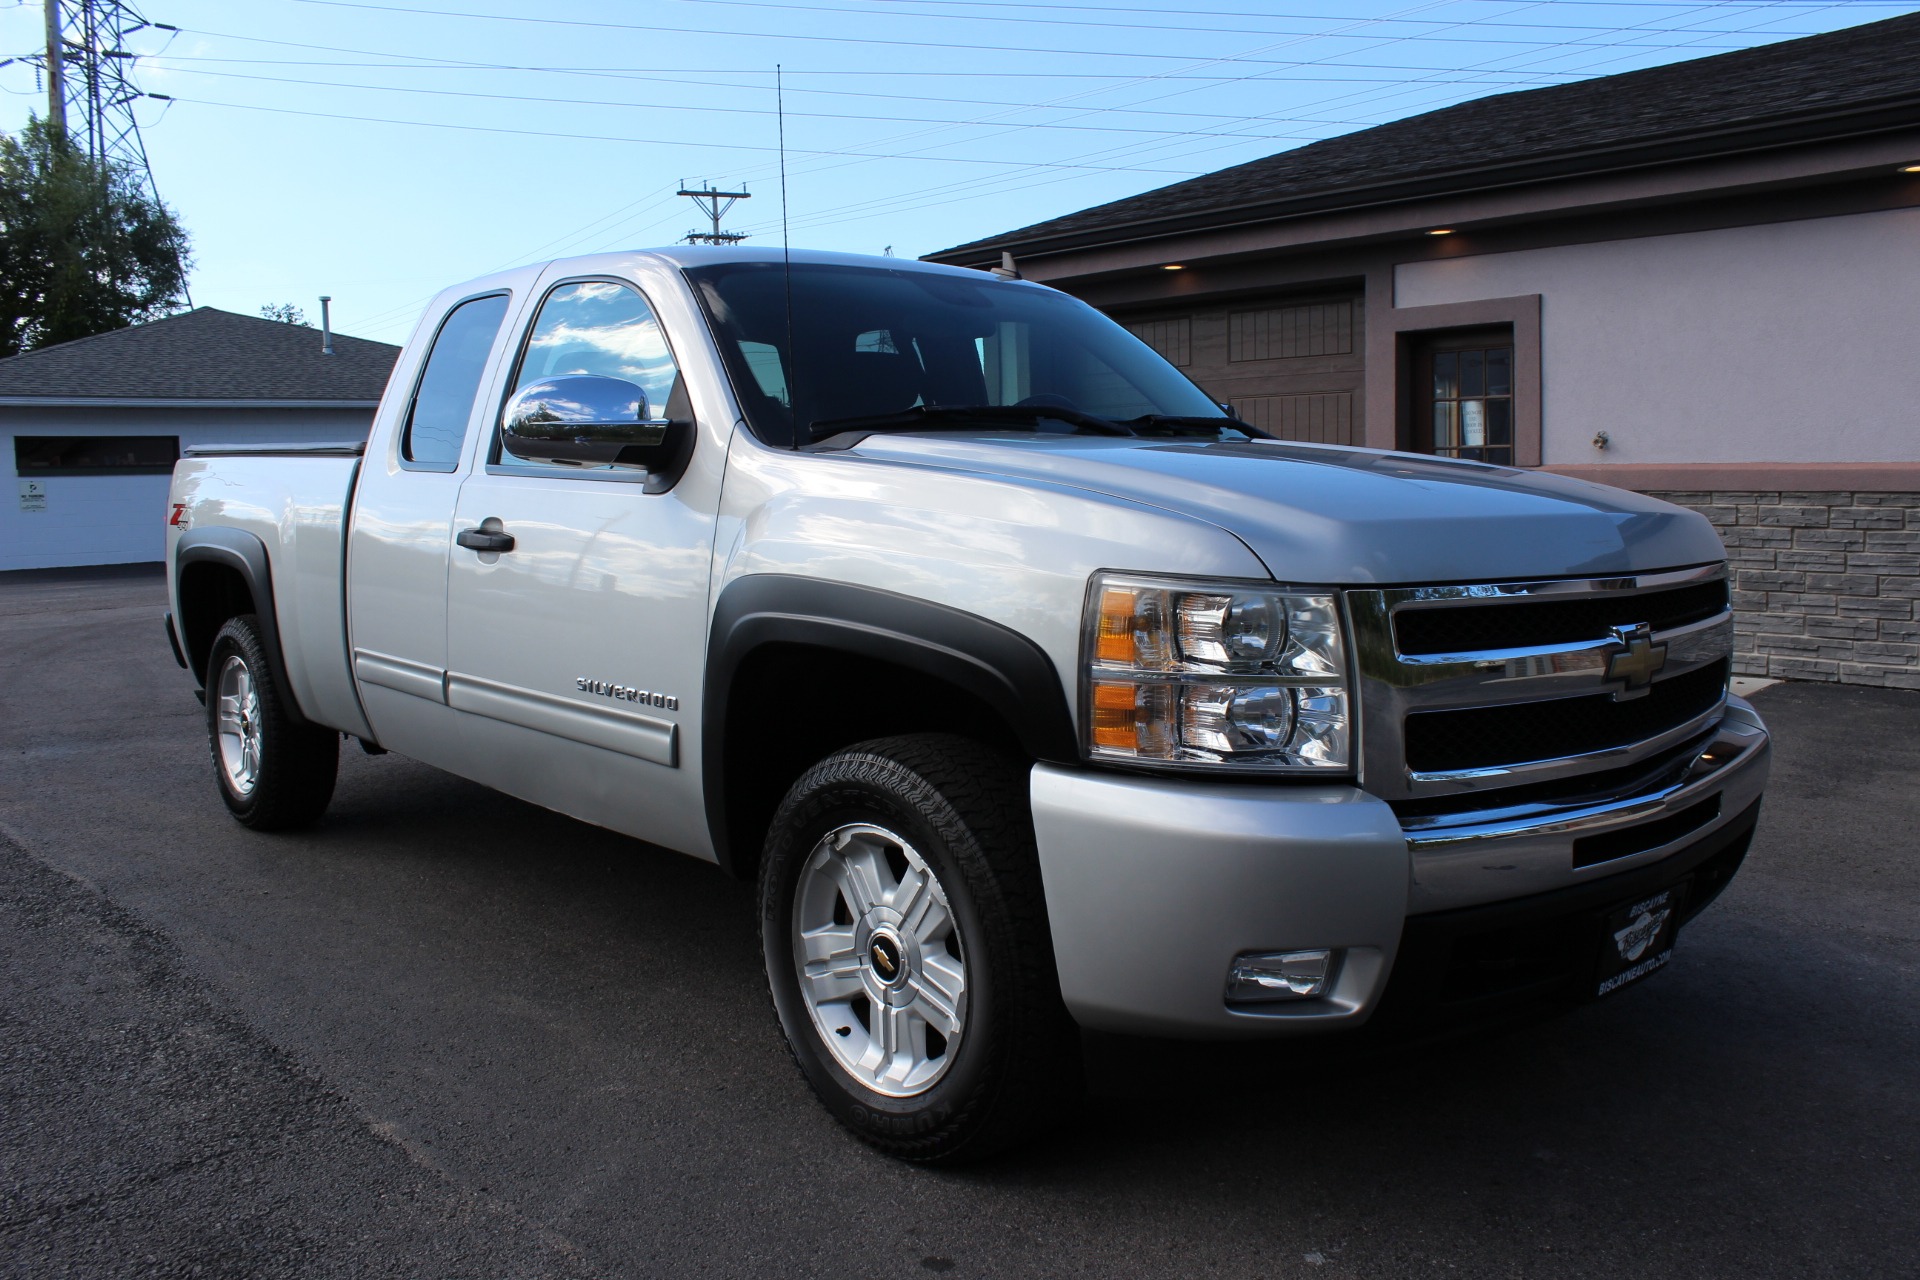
(1155, 884)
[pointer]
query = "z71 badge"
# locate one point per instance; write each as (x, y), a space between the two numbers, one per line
(626, 693)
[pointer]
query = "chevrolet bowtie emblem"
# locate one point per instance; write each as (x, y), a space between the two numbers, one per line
(1638, 661)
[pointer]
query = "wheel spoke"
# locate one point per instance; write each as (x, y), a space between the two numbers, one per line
(938, 987)
(229, 715)
(863, 876)
(909, 893)
(903, 1042)
(832, 965)
(933, 922)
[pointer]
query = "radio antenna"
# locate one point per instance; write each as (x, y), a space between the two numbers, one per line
(786, 260)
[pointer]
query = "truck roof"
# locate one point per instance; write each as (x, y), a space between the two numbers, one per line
(685, 255)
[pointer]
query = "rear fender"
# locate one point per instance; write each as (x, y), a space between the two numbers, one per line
(245, 555)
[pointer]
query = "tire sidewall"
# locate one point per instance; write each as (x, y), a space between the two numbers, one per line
(236, 640)
(814, 811)
(299, 762)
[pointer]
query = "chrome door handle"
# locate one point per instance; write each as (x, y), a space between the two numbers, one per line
(485, 540)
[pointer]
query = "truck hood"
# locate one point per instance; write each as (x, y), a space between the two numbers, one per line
(1326, 514)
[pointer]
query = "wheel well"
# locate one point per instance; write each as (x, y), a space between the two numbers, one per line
(209, 595)
(792, 705)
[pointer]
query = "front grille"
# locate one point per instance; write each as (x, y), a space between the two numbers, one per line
(1484, 737)
(1483, 626)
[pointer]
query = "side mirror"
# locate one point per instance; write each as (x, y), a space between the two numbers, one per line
(587, 420)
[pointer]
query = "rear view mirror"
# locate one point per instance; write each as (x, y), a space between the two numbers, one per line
(587, 420)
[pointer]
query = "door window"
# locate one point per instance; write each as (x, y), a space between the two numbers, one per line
(599, 327)
(443, 402)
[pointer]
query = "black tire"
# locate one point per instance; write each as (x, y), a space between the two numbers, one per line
(1014, 1066)
(293, 766)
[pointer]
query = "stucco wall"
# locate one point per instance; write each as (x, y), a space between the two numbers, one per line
(120, 519)
(1788, 342)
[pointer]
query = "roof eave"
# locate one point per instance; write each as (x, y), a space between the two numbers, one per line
(1885, 116)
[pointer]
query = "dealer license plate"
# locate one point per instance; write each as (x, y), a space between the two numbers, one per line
(1636, 939)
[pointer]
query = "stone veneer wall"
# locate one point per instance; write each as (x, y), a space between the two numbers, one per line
(1826, 586)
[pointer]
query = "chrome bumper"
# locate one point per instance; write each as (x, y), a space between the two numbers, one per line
(1489, 855)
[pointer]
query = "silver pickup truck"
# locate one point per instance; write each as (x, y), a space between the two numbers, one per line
(1037, 691)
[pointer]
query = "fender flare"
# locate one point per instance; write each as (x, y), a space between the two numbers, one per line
(245, 554)
(1004, 669)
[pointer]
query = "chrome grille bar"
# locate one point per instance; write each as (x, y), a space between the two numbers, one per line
(1394, 686)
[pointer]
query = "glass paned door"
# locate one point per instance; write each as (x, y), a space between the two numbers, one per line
(1469, 400)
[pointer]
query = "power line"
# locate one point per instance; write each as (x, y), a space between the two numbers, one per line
(661, 142)
(421, 60)
(763, 35)
(1281, 17)
(891, 11)
(891, 204)
(1028, 176)
(496, 96)
(169, 60)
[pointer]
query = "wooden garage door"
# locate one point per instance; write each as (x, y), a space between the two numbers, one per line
(1291, 365)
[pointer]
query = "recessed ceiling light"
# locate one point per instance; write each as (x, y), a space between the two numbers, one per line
(1174, 266)
(1441, 231)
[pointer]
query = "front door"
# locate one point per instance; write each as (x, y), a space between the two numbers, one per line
(576, 656)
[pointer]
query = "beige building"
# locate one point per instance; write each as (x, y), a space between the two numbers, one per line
(1700, 280)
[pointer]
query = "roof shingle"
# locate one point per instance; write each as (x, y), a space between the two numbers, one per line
(1673, 107)
(203, 354)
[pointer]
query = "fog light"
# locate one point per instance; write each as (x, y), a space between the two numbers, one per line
(1279, 975)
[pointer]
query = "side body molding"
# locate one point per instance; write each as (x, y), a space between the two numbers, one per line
(245, 554)
(1005, 670)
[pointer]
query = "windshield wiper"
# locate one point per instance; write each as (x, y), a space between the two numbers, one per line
(1173, 424)
(932, 417)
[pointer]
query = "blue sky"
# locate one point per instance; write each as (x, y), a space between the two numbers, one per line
(379, 151)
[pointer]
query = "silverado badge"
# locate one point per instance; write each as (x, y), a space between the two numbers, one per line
(627, 693)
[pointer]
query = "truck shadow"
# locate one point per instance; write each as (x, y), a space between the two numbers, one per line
(1655, 1127)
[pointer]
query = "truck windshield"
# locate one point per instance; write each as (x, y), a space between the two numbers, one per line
(869, 342)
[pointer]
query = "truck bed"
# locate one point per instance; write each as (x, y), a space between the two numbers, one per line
(294, 499)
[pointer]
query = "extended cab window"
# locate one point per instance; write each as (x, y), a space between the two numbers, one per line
(443, 403)
(599, 327)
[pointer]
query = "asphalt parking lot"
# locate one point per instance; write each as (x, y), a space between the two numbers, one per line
(448, 1034)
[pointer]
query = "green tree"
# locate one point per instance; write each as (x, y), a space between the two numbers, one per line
(285, 313)
(83, 248)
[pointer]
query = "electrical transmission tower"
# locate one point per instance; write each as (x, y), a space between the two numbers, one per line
(709, 202)
(88, 72)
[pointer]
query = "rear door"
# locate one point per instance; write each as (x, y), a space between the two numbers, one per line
(401, 525)
(576, 657)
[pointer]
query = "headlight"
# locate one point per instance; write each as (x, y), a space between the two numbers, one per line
(1216, 673)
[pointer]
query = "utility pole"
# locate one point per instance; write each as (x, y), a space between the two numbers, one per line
(709, 202)
(56, 71)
